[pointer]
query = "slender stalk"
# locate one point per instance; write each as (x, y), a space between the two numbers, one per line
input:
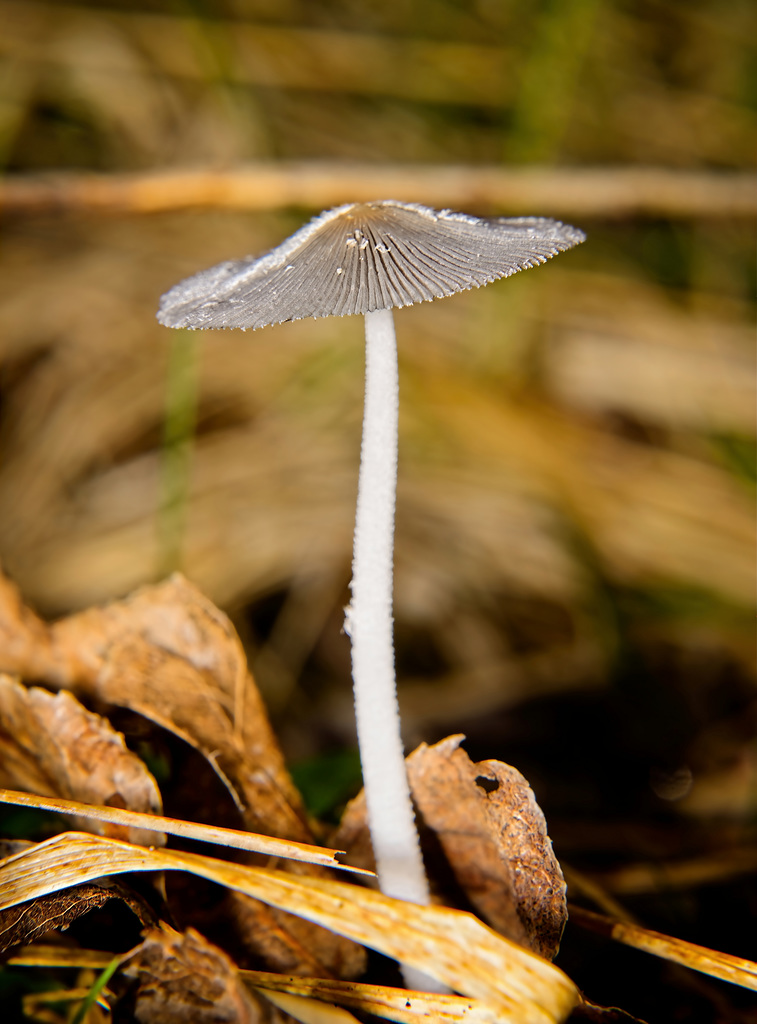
(369, 623)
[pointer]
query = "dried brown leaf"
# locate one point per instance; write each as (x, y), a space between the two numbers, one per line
(291, 945)
(50, 744)
(517, 986)
(184, 979)
(493, 836)
(520, 832)
(24, 638)
(168, 654)
(27, 922)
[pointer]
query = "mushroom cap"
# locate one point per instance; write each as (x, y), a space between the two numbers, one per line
(362, 257)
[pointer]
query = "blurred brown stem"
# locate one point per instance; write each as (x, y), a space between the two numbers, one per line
(568, 192)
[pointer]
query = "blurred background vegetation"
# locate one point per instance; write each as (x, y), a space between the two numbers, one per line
(575, 569)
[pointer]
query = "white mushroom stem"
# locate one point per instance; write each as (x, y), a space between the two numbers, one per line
(399, 863)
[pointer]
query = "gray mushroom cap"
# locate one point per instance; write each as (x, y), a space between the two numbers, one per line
(362, 257)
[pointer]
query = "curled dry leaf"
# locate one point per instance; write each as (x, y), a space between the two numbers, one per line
(27, 922)
(51, 745)
(184, 979)
(493, 836)
(168, 654)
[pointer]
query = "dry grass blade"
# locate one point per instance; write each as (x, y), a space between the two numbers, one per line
(60, 956)
(379, 1000)
(734, 969)
(266, 845)
(454, 947)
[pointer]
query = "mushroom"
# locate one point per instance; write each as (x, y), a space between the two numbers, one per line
(368, 258)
